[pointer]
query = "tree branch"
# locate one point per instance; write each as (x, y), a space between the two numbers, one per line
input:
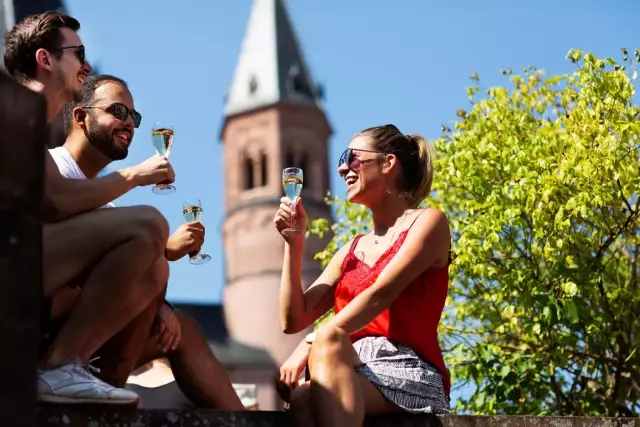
(560, 396)
(624, 198)
(625, 411)
(612, 236)
(599, 358)
(615, 233)
(622, 354)
(634, 263)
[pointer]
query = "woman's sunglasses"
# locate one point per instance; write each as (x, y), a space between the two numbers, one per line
(349, 158)
(121, 112)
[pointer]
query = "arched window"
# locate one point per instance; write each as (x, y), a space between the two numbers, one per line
(248, 173)
(263, 169)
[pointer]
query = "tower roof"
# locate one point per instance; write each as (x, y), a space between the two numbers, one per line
(271, 67)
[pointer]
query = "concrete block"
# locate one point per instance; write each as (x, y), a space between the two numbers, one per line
(22, 141)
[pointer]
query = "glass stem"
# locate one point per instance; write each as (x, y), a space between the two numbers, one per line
(293, 219)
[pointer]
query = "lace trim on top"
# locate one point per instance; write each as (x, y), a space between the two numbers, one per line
(357, 275)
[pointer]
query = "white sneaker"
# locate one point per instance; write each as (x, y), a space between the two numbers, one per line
(73, 383)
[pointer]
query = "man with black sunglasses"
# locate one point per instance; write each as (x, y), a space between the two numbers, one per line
(116, 256)
(44, 52)
(100, 127)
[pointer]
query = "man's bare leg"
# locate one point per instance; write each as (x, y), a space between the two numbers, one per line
(74, 246)
(121, 245)
(198, 373)
(119, 356)
(117, 247)
(106, 305)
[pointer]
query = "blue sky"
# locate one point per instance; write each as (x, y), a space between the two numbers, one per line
(404, 62)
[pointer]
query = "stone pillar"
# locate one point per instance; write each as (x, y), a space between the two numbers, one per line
(22, 141)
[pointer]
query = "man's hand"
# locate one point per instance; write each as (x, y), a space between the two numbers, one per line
(154, 170)
(167, 329)
(187, 239)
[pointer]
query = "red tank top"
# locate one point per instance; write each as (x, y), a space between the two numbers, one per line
(412, 320)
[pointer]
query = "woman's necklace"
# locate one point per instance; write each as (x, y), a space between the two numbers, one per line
(395, 229)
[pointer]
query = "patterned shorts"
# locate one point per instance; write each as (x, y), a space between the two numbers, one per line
(402, 376)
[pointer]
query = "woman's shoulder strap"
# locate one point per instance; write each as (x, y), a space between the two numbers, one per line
(355, 243)
(416, 218)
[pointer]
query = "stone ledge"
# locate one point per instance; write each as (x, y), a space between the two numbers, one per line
(61, 416)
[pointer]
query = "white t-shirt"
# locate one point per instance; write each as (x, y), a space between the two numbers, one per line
(69, 168)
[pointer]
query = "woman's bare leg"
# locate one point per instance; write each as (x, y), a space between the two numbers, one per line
(301, 409)
(339, 395)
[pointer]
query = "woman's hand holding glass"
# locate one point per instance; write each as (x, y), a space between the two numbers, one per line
(291, 224)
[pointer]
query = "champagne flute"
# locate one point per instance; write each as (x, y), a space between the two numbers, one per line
(292, 179)
(192, 211)
(162, 136)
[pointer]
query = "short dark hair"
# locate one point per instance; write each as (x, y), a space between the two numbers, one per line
(35, 32)
(91, 83)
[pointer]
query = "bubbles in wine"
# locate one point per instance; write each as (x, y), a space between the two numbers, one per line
(162, 141)
(192, 213)
(292, 186)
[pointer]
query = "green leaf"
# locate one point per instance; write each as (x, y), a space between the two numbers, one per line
(484, 353)
(554, 80)
(570, 288)
(574, 55)
(505, 370)
(509, 311)
(571, 311)
(480, 398)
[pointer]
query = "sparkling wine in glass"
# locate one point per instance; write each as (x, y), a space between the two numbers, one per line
(192, 211)
(292, 180)
(162, 136)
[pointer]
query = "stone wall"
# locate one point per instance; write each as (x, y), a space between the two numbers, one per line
(64, 417)
(22, 141)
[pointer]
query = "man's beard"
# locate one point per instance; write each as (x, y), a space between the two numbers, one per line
(102, 139)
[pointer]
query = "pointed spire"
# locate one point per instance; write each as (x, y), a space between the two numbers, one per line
(271, 67)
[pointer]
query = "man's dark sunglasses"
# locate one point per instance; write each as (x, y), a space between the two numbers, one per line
(121, 112)
(348, 157)
(78, 51)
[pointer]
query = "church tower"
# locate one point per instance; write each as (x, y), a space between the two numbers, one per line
(273, 119)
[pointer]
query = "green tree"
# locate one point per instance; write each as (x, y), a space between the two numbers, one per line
(540, 181)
